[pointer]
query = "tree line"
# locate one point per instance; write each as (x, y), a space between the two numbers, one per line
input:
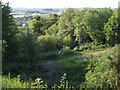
(70, 29)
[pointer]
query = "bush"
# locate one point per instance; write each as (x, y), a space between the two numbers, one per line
(85, 46)
(46, 43)
(98, 47)
(68, 41)
(68, 51)
(16, 82)
(103, 73)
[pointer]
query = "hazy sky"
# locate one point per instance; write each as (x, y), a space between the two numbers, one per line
(62, 3)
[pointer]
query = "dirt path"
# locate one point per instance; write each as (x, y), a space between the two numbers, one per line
(94, 54)
(51, 69)
(99, 51)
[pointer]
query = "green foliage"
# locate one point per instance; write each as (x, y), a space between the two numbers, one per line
(92, 47)
(100, 73)
(53, 30)
(80, 28)
(66, 28)
(16, 82)
(46, 43)
(70, 29)
(67, 41)
(68, 51)
(103, 72)
(112, 29)
(37, 25)
(7, 82)
(28, 46)
(84, 46)
(4, 46)
(52, 19)
(99, 47)
(9, 33)
(94, 20)
(49, 55)
(64, 82)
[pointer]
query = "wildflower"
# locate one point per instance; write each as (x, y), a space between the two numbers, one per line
(37, 80)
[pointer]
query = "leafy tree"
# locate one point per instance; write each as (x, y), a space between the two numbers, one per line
(80, 28)
(67, 41)
(37, 25)
(94, 20)
(53, 30)
(112, 29)
(52, 19)
(65, 24)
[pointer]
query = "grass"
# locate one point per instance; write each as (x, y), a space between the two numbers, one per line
(71, 62)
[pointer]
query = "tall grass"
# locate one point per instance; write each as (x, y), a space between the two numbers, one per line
(16, 82)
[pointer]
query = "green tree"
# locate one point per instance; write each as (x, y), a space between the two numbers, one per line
(51, 25)
(9, 33)
(67, 41)
(112, 29)
(28, 46)
(80, 28)
(37, 25)
(94, 20)
(65, 24)
(53, 30)
(52, 19)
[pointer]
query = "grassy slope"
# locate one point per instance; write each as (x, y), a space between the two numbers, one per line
(51, 70)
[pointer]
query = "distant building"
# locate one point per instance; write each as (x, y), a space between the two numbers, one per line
(59, 13)
(25, 24)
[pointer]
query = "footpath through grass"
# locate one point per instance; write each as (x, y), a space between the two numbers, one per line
(81, 68)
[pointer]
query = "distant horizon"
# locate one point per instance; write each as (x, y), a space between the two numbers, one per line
(58, 8)
(63, 3)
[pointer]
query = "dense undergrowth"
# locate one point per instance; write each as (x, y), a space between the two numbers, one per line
(94, 70)
(16, 82)
(103, 71)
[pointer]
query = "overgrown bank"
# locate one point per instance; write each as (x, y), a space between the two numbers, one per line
(90, 70)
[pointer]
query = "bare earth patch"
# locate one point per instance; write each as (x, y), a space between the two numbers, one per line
(51, 69)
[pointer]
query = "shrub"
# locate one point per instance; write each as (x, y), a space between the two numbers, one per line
(68, 51)
(98, 47)
(68, 41)
(85, 46)
(46, 43)
(103, 73)
(16, 82)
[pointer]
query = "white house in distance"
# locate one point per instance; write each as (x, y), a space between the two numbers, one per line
(25, 24)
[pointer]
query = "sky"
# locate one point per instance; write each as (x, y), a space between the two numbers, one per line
(62, 3)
